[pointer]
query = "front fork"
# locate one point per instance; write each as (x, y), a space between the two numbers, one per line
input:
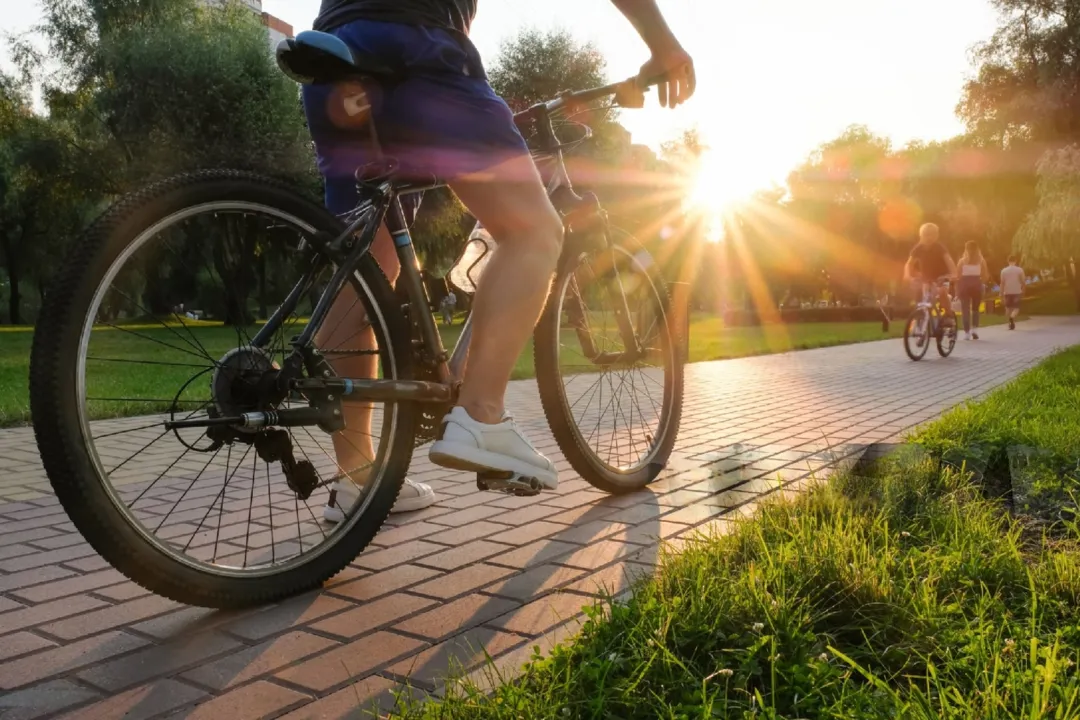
(588, 231)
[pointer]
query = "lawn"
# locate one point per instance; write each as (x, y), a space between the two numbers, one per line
(709, 340)
(903, 591)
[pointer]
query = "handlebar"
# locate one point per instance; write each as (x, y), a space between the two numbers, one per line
(629, 93)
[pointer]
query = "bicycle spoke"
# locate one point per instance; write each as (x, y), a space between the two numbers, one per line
(163, 434)
(270, 506)
(129, 430)
(219, 496)
(251, 503)
(213, 363)
(145, 362)
(195, 346)
(162, 473)
(188, 489)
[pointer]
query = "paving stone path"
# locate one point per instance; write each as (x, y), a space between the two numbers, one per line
(477, 570)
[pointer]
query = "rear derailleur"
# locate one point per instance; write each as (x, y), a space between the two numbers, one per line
(272, 445)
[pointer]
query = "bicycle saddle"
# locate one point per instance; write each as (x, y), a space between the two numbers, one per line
(314, 57)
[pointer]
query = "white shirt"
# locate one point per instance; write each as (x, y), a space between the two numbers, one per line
(1012, 280)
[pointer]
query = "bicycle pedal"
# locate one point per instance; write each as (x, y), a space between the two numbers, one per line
(508, 483)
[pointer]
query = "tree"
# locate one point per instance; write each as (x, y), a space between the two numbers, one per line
(534, 66)
(1051, 234)
(1025, 88)
(1023, 99)
(150, 88)
(841, 197)
(43, 194)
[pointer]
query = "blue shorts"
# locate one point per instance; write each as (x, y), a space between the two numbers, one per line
(442, 120)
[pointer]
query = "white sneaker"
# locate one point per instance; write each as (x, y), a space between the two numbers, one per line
(967, 336)
(344, 494)
(466, 444)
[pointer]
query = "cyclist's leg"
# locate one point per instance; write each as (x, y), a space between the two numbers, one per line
(340, 153)
(510, 201)
(345, 328)
(513, 205)
(451, 125)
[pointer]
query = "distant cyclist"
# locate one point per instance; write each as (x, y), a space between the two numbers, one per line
(443, 119)
(930, 260)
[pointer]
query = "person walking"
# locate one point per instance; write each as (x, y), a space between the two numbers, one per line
(448, 305)
(1012, 289)
(973, 273)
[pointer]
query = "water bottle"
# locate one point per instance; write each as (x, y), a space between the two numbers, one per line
(465, 274)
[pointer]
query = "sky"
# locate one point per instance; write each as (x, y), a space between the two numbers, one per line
(775, 77)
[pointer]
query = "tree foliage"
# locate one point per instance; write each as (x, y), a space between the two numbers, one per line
(134, 89)
(1025, 87)
(535, 65)
(1051, 234)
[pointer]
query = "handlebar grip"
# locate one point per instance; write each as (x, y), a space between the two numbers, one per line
(645, 83)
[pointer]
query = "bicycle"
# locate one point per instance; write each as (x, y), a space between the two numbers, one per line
(930, 318)
(254, 395)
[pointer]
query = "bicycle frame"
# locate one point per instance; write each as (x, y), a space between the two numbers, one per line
(381, 203)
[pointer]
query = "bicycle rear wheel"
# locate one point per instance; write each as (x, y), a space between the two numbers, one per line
(614, 410)
(917, 334)
(200, 516)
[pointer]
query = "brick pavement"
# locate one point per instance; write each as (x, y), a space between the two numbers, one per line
(478, 570)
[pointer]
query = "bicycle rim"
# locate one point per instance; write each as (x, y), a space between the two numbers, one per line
(615, 421)
(217, 507)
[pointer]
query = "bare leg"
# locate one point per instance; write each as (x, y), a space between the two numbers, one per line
(512, 204)
(353, 445)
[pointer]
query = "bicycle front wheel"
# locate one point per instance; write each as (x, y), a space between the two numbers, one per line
(917, 334)
(167, 309)
(946, 337)
(608, 365)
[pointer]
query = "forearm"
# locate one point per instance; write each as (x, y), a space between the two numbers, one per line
(649, 22)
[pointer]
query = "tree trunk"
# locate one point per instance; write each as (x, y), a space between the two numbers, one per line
(233, 257)
(14, 300)
(14, 277)
(262, 286)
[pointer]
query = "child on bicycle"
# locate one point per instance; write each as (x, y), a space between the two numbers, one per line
(928, 261)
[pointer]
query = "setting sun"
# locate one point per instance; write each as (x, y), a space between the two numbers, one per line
(716, 189)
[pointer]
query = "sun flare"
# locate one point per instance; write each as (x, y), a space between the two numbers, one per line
(716, 190)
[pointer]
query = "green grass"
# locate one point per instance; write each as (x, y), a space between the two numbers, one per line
(1042, 409)
(709, 340)
(907, 592)
(1057, 299)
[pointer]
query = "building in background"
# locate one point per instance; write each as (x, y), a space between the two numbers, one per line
(276, 28)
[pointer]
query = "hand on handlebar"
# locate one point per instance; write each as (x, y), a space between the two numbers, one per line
(673, 73)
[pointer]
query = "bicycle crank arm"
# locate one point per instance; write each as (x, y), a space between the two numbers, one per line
(290, 417)
(384, 390)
